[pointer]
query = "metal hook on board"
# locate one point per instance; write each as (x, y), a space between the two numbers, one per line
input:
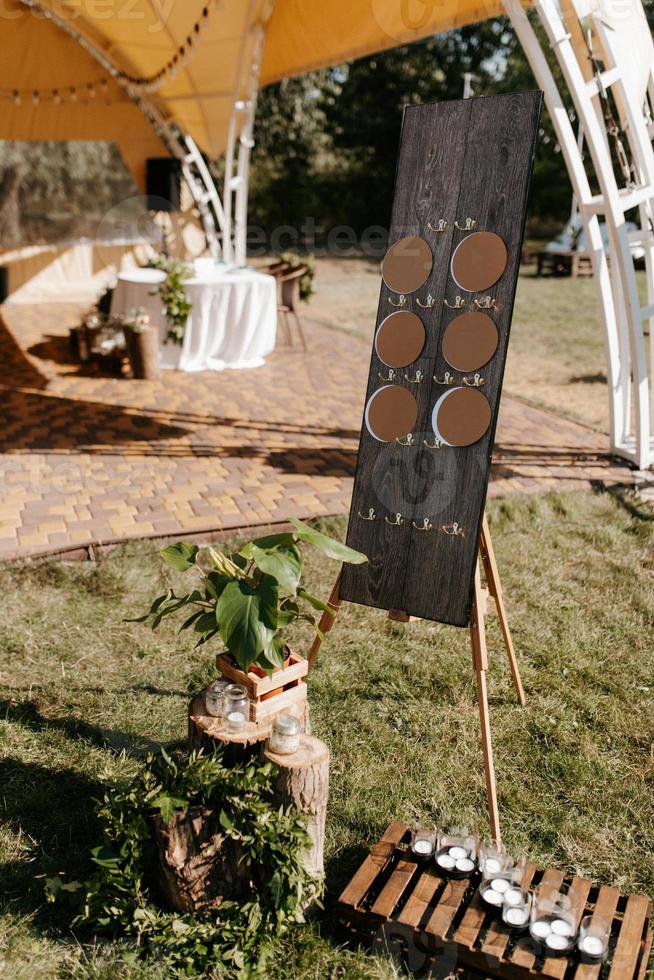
(400, 302)
(488, 304)
(391, 375)
(454, 529)
(468, 226)
(425, 526)
(458, 303)
(371, 515)
(447, 379)
(419, 378)
(476, 381)
(437, 444)
(440, 227)
(406, 440)
(428, 305)
(399, 520)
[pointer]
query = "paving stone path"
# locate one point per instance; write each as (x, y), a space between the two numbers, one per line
(87, 460)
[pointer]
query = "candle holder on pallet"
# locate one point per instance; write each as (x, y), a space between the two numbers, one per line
(393, 891)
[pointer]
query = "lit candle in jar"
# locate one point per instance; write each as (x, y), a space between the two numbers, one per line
(516, 907)
(594, 934)
(235, 721)
(557, 943)
(237, 707)
(554, 917)
(457, 852)
(493, 858)
(423, 843)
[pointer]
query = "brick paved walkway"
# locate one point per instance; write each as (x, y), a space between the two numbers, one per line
(88, 459)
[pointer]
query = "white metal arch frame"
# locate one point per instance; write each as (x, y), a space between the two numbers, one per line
(620, 38)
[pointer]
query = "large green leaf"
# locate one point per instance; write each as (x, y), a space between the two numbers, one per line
(329, 546)
(284, 564)
(281, 540)
(247, 618)
(180, 556)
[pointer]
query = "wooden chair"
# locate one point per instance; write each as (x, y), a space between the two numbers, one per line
(289, 281)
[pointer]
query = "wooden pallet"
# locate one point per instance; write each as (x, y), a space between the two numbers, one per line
(263, 706)
(406, 907)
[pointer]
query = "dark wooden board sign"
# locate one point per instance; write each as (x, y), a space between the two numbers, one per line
(416, 510)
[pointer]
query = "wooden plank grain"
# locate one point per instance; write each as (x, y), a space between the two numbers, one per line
(376, 861)
(628, 946)
(389, 476)
(426, 887)
(394, 888)
(443, 915)
(500, 141)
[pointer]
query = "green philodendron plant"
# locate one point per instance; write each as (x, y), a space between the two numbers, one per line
(248, 598)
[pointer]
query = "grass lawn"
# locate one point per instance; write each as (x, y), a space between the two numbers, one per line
(556, 354)
(83, 694)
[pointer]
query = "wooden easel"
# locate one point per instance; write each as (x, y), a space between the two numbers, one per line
(478, 614)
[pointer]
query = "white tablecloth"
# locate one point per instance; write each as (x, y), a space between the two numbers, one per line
(233, 323)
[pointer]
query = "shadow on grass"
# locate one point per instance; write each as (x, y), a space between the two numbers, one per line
(28, 715)
(51, 812)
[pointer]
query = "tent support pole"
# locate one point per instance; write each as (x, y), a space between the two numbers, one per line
(623, 316)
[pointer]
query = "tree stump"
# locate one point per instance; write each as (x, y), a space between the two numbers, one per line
(198, 865)
(303, 782)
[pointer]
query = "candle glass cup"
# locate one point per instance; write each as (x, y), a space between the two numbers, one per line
(493, 858)
(594, 935)
(423, 843)
(456, 854)
(493, 889)
(516, 908)
(554, 917)
(214, 698)
(236, 707)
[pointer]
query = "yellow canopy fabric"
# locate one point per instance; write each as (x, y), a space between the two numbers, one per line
(141, 36)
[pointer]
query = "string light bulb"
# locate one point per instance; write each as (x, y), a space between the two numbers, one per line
(36, 98)
(16, 97)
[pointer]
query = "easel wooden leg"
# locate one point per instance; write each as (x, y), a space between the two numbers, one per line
(480, 660)
(326, 620)
(495, 589)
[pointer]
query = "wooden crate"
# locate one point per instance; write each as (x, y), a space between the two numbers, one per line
(294, 689)
(408, 908)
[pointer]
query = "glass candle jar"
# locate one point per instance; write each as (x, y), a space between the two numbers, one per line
(516, 906)
(285, 737)
(493, 858)
(423, 843)
(554, 916)
(214, 698)
(237, 707)
(493, 889)
(594, 935)
(457, 852)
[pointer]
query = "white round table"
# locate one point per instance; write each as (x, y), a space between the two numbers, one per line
(233, 323)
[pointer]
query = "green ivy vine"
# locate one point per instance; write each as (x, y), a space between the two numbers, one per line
(173, 294)
(237, 939)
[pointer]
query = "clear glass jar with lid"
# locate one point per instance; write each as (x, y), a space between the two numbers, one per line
(214, 697)
(285, 737)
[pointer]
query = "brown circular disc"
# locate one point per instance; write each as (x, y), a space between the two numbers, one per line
(407, 264)
(479, 261)
(391, 413)
(470, 341)
(461, 416)
(400, 339)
